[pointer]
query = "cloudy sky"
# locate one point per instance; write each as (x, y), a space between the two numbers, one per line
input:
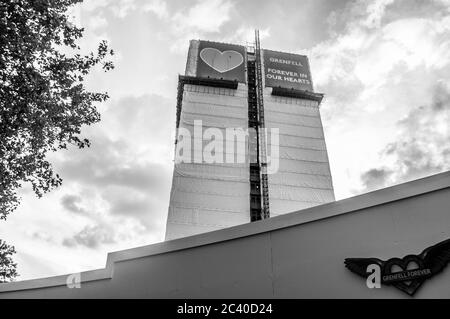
(384, 66)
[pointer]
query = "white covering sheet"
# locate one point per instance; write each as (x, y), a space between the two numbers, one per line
(304, 178)
(207, 196)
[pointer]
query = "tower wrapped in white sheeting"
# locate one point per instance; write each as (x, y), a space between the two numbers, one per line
(217, 91)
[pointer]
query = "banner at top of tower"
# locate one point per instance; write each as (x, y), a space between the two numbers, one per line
(221, 61)
(287, 70)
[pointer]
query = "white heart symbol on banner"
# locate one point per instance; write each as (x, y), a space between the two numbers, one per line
(221, 61)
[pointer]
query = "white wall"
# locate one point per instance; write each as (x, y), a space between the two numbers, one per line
(296, 255)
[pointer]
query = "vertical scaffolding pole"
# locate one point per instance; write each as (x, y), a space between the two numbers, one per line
(262, 131)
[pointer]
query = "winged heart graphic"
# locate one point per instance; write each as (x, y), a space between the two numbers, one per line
(221, 61)
(407, 273)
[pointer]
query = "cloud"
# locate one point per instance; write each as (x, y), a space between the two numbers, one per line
(130, 147)
(96, 22)
(71, 203)
(187, 21)
(114, 216)
(246, 34)
(375, 178)
(111, 163)
(383, 60)
(204, 18)
(421, 147)
(91, 237)
(375, 12)
(43, 236)
(205, 15)
(364, 57)
(158, 7)
(105, 230)
(122, 7)
(441, 98)
(148, 120)
(92, 5)
(120, 185)
(130, 206)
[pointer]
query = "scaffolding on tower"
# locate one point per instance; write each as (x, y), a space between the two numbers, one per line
(262, 131)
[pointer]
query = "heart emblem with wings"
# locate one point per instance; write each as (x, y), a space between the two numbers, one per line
(407, 273)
